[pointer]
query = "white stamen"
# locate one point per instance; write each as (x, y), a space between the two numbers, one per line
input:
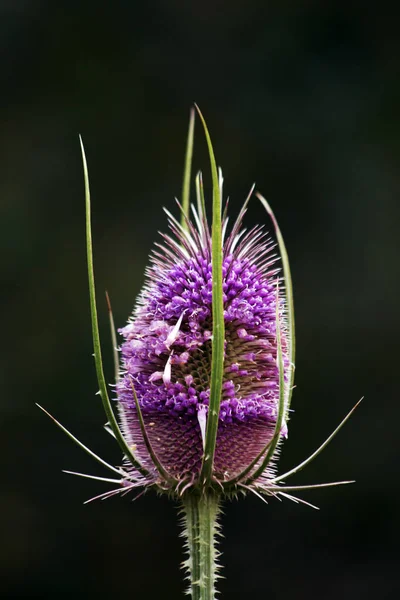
(220, 181)
(173, 334)
(167, 371)
(202, 419)
(156, 376)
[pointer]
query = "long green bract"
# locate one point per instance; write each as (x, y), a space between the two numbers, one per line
(240, 476)
(281, 406)
(318, 450)
(218, 329)
(187, 172)
(289, 299)
(201, 205)
(113, 338)
(154, 458)
(95, 331)
(79, 443)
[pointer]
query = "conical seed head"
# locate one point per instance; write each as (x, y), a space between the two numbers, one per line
(166, 353)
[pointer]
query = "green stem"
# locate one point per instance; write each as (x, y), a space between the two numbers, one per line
(200, 522)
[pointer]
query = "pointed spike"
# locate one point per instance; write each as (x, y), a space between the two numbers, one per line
(113, 338)
(199, 228)
(218, 338)
(201, 210)
(95, 329)
(187, 170)
(239, 220)
(315, 486)
(225, 213)
(109, 430)
(299, 500)
(107, 479)
(74, 439)
(318, 450)
(253, 491)
(201, 204)
(109, 494)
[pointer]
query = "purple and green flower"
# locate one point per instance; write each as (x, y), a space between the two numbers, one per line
(204, 374)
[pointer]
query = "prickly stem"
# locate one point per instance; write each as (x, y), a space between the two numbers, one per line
(200, 514)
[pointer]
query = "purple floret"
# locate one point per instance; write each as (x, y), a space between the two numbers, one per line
(166, 353)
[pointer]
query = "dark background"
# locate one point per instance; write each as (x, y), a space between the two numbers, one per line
(301, 97)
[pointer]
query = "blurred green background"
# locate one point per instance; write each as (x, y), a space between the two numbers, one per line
(301, 97)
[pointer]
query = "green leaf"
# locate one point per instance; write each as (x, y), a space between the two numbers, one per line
(218, 329)
(187, 171)
(95, 331)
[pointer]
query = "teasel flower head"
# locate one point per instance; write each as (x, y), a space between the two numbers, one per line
(204, 374)
(209, 351)
(183, 329)
(168, 346)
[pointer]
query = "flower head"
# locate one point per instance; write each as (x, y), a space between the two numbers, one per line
(206, 370)
(207, 360)
(166, 354)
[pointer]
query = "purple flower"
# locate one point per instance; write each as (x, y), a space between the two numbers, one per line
(166, 354)
(207, 362)
(206, 370)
